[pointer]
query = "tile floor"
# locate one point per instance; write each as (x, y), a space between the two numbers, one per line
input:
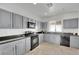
(53, 49)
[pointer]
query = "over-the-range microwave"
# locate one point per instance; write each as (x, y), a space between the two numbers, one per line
(31, 24)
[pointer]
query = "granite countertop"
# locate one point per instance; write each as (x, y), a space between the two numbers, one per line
(6, 39)
(60, 33)
(75, 35)
(11, 38)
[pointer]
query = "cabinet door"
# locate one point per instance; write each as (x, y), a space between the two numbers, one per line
(41, 26)
(74, 42)
(71, 23)
(55, 39)
(46, 37)
(17, 21)
(25, 20)
(20, 47)
(7, 49)
(5, 19)
(52, 38)
(28, 44)
(44, 25)
(41, 38)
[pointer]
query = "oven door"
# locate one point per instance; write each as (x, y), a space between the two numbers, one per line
(65, 41)
(34, 42)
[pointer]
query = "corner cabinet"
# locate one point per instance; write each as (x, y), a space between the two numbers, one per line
(17, 21)
(52, 38)
(5, 19)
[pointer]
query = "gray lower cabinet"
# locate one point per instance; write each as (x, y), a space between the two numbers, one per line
(41, 38)
(49, 38)
(17, 21)
(28, 44)
(52, 38)
(74, 41)
(13, 48)
(5, 19)
(7, 49)
(20, 47)
(46, 37)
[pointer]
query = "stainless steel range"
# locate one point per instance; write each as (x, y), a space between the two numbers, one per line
(34, 41)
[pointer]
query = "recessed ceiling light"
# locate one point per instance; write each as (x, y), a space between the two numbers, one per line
(34, 3)
(49, 4)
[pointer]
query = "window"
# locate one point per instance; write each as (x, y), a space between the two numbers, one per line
(55, 27)
(58, 28)
(52, 27)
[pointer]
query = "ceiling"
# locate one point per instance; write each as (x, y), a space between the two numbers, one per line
(42, 10)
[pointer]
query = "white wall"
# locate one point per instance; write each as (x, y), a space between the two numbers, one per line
(67, 16)
(7, 32)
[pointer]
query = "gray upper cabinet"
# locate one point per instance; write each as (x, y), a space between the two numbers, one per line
(25, 20)
(44, 26)
(9, 20)
(70, 23)
(17, 21)
(39, 25)
(5, 19)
